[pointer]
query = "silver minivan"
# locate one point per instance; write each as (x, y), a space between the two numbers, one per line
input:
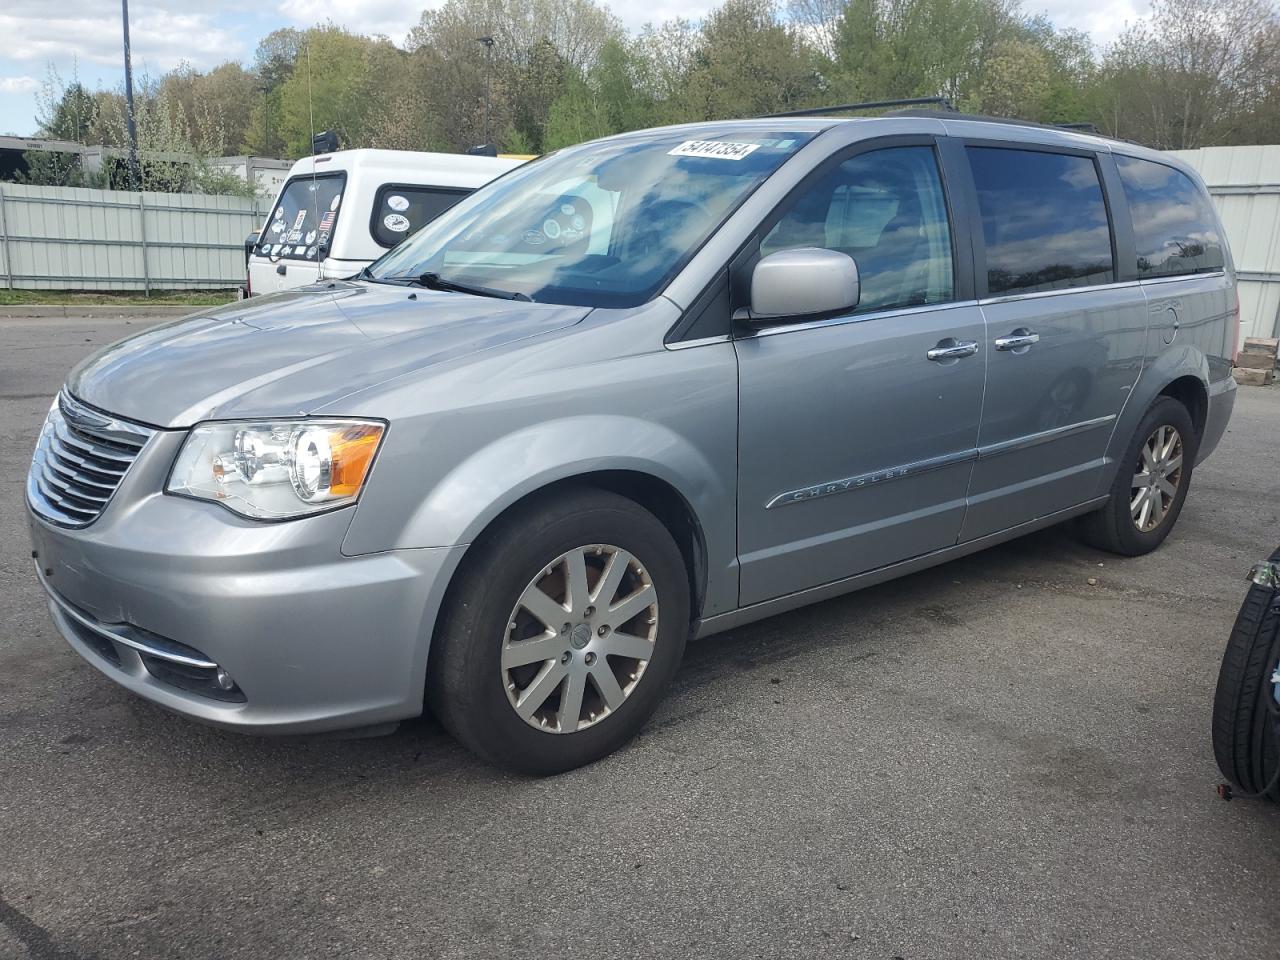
(639, 390)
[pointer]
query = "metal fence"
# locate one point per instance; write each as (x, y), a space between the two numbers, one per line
(1245, 184)
(72, 238)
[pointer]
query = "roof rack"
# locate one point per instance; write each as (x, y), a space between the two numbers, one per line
(1084, 127)
(942, 102)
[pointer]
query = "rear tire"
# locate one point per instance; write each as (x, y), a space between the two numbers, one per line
(1137, 517)
(1246, 742)
(542, 697)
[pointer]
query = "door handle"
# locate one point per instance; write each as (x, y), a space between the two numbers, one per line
(1017, 341)
(280, 269)
(952, 350)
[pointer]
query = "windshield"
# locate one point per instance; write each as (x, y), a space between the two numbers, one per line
(604, 224)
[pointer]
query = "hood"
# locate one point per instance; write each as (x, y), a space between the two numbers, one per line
(291, 353)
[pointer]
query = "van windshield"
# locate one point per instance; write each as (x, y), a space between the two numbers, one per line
(604, 224)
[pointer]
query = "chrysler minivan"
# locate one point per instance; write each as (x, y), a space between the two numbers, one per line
(636, 391)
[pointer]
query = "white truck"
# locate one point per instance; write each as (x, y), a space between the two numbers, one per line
(340, 211)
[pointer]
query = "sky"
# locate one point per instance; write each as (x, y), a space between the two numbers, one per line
(83, 37)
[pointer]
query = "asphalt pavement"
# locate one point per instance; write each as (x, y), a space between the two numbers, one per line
(994, 758)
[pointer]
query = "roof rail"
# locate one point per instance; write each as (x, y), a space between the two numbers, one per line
(942, 102)
(1082, 127)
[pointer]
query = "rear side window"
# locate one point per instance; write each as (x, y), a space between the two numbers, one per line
(1174, 228)
(886, 210)
(1044, 220)
(400, 209)
(303, 219)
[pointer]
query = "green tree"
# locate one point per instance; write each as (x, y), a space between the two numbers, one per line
(1193, 72)
(747, 63)
(338, 75)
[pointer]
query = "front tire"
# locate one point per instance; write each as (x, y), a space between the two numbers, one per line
(561, 632)
(1150, 486)
(1246, 728)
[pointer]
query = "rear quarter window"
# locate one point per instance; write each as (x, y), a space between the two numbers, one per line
(1174, 228)
(400, 209)
(1044, 220)
(303, 219)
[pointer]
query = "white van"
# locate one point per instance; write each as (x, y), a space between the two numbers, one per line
(338, 212)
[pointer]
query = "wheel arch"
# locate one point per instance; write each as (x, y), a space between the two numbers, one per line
(1192, 394)
(654, 494)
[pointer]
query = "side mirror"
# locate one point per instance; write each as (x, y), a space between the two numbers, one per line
(250, 242)
(803, 282)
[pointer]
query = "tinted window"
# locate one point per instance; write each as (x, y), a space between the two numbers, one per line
(886, 210)
(1174, 228)
(400, 210)
(303, 218)
(603, 224)
(1043, 219)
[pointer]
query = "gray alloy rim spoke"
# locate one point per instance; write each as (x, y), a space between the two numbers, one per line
(575, 685)
(565, 665)
(551, 613)
(544, 684)
(632, 605)
(627, 645)
(531, 651)
(608, 686)
(1157, 478)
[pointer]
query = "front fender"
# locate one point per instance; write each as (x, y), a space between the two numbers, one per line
(477, 490)
(469, 445)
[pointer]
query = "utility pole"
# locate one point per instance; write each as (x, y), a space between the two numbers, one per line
(488, 69)
(135, 174)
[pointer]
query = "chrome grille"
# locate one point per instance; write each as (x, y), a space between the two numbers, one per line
(80, 459)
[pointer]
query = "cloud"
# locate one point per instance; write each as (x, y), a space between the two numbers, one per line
(390, 18)
(1101, 19)
(19, 84)
(84, 32)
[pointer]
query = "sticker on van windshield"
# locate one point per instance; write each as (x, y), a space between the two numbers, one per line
(297, 223)
(717, 149)
(277, 226)
(395, 223)
(310, 237)
(397, 202)
(333, 204)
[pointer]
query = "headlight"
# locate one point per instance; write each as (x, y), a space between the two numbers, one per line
(277, 469)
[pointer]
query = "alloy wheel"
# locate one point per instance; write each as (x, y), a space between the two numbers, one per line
(579, 638)
(1157, 478)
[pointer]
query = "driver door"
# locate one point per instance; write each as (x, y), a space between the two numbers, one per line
(858, 432)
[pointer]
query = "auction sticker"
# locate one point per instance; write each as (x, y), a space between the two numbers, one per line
(397, 203)
(716, 149)
(395, 223)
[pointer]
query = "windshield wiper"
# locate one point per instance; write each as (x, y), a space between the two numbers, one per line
(433, 281)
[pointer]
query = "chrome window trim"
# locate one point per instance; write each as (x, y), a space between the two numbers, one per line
(1041, 294)
(843, 319)
(700, 342)
(1183, 276)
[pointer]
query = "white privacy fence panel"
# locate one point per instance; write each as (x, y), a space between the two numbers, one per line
(72, 238)
(1245, 184)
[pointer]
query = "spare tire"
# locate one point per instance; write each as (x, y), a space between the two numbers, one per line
(1246, 714)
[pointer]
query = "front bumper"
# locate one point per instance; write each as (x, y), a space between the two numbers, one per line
(313, 639)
